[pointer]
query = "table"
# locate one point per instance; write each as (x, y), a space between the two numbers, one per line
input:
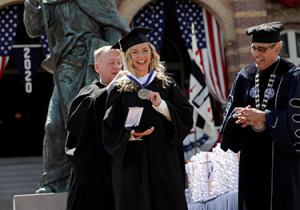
(227, 201)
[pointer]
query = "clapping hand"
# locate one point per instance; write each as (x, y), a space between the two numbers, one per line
(248, 116)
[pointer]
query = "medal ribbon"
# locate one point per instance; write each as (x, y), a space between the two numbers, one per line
(137, 81)
(270, 85)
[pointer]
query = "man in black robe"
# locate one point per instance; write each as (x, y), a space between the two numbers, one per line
(74, 29)
(262, 121)
(90, 186)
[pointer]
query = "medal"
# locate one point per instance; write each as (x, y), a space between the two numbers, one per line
(269, 92)
(252, 92)
(143, 93)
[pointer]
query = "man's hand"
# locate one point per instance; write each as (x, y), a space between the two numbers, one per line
(248, 116)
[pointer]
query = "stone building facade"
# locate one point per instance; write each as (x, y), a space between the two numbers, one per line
(234, 17)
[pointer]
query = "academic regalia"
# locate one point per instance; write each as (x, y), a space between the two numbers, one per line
(269, 175)
(90, 186)
(147, 173)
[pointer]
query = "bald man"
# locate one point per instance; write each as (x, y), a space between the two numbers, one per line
(90, 183)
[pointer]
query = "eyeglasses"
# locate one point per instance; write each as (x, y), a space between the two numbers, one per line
(262, 49)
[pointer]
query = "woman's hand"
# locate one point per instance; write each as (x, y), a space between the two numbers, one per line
(154, 97)
(139, 134)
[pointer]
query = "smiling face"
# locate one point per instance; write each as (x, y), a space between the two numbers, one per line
(265, 54)
(141, 56)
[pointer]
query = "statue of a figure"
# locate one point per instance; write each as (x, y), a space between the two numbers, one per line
(75, 28)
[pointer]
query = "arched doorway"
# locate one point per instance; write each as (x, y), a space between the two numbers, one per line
(25, 90)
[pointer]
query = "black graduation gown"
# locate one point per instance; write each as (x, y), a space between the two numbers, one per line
(90, 186)
(269, 175)
(147, 174)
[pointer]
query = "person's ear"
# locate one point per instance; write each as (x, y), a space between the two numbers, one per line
(277, 48)
(97, 68)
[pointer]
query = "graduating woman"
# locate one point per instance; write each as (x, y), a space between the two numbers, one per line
(147, 119)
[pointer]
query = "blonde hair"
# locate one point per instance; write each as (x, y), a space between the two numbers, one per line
(155, 64)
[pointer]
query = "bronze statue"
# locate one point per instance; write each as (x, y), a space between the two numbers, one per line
(75, 28)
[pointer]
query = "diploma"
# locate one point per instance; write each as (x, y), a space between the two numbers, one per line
(134, 116)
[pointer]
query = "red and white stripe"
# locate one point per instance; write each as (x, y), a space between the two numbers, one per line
(212, 59)
(3, 63)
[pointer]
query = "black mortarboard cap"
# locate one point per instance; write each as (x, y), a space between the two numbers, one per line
(266, 32)
(133, 37)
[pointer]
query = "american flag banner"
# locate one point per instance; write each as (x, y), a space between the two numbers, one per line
(205, 134)
(210, 51)
(199, 94)
(198, 91)
(152, 16)
(203, 40)
(8, 25)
